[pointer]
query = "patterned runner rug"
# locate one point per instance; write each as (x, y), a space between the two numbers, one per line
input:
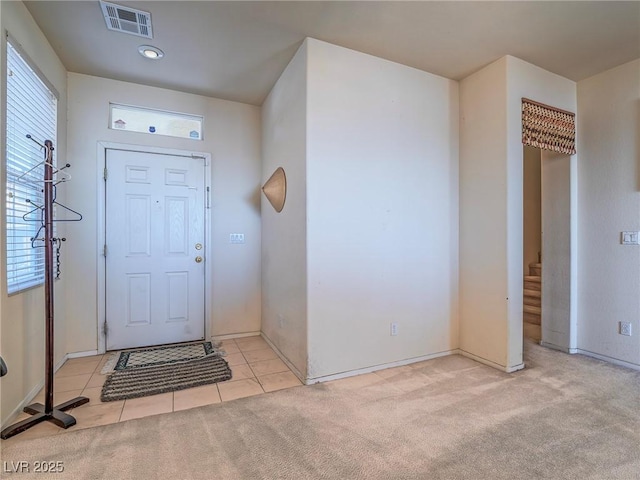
(168, 377)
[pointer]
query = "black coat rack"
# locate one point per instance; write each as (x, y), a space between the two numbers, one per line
(47, 412)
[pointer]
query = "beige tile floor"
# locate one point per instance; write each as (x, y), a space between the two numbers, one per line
(255, 367)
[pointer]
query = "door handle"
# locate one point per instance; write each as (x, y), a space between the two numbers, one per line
(198, 259)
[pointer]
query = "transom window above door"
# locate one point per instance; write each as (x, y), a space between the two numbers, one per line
(155, 122)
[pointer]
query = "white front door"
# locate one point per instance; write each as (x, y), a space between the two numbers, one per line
(154, 249)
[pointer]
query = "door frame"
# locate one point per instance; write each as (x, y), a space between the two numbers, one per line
(101, 215)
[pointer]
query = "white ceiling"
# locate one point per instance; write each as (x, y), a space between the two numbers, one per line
(237, 50)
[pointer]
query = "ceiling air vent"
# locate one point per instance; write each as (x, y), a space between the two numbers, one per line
(127, 20)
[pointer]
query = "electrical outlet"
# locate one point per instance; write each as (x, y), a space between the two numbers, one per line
(236, 238)
(394, 329)
(281, 320)
(625, 328)
(630, 238)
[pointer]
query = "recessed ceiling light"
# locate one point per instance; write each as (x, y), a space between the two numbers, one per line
(149, 51)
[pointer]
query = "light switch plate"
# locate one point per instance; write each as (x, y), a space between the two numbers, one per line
(630, 238)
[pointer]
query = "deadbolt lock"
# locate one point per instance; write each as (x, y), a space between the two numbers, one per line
(198, 246)
(198, 259)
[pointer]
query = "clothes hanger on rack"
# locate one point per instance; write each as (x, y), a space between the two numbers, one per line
(27, 178)
(37, 238)
(78, 215)
(39, 208)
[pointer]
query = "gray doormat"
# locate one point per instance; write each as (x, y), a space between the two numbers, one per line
(155, 356)
(142, 382)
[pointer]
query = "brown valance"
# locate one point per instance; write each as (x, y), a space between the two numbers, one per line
(548, 128)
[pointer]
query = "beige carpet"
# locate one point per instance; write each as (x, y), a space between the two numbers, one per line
(563, 417)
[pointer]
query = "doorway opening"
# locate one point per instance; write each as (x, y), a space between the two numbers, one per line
(532, 244)
(550, 316)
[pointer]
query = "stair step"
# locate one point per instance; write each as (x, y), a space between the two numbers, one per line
(532, 309)
(535, 269)
(532, 301)
(533, 284)
(532, 292)
(531, 318)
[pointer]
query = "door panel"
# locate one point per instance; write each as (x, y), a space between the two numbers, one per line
(154, 219)
(138, 230)
(138, 299)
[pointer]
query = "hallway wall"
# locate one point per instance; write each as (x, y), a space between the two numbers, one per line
(284, 234)
(491, 204)
(368, 236)
(609, 203)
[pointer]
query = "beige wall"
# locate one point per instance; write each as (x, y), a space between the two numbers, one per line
(559, 313)
(369, 233)
(231, 135)
(609, 203)
(491, 204)
(382, 211)
(284, 234)
(483, 228)
(22, 315)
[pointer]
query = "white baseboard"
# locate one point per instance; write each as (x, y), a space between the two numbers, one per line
(489, 363)
(552, 346)
(352, 373)
(88, 353)
(286, 361)
(361, 371)
(30, 396)
(218, 338)
(605, 358)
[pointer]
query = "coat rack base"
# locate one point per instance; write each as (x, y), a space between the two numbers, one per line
(56, 416)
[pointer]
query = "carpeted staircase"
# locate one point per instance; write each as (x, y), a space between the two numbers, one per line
(532, 308)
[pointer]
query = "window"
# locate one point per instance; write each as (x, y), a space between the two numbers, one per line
(155, 122)
(31, 109)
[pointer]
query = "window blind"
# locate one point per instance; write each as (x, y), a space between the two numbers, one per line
(31, 109)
